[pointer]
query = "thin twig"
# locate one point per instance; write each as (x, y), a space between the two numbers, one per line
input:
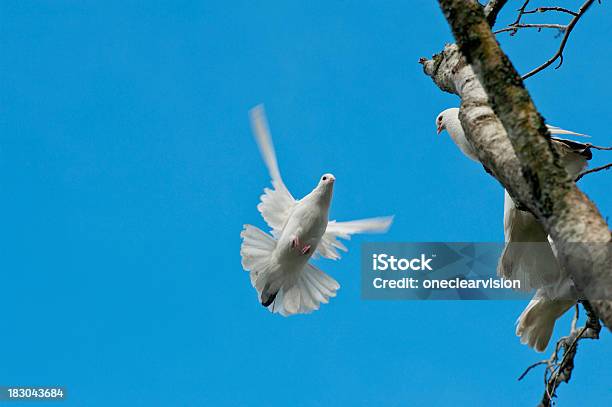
(516, 27)
(559, 371)
(563, 370)
(521, 11)
(568, 31)
(596, 169)
(541, 362)
(544, 9)
(589, 145)
(576, 316)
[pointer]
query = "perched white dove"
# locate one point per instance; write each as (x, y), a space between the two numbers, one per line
(536, 264)
(285, 282)
(449, 120)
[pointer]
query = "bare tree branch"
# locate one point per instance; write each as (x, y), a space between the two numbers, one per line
(545, 9)
(519, 151)
(568, 31)
(521, 11)
(516, 27)
(492, 9)
(592, 170)
(589, 145)
(560, 365)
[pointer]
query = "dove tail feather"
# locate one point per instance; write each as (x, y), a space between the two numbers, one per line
(286, 293)
(267, 300)
(535, 325)
(304, 294)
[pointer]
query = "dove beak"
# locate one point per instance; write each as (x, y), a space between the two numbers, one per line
(439, 129)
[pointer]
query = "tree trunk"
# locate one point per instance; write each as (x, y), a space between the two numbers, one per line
(511, 139)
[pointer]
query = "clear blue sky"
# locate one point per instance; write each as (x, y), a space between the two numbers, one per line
(127, 169)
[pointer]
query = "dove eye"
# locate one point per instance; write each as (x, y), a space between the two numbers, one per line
(324, 178)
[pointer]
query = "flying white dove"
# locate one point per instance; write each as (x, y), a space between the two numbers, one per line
(534, 264)
(285, 282)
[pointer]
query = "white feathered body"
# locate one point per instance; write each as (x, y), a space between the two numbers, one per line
(534, 264)
(307, 224)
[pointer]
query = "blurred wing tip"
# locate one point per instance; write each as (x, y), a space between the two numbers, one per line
(386, 222)
(257, 109)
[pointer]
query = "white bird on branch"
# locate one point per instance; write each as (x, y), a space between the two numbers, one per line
(534, 264)
(285, 282)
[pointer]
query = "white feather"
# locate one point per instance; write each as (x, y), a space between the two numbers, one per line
(343, 230)
(559, 130)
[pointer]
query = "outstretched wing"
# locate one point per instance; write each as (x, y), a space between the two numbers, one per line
(276, 204)
(329, 244)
